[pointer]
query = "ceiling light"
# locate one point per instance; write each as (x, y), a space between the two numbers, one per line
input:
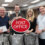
(4, 4)
(8, 0)
(35, 1)
(25, 5)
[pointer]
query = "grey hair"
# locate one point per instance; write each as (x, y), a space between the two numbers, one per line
(2, 8)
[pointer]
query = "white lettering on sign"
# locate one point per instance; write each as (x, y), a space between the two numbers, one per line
(20, 22)
(20, 26)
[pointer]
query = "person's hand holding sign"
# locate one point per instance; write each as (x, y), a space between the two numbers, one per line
(16, 18)
(28, 31)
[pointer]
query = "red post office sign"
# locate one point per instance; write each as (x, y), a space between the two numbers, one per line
(20, 25)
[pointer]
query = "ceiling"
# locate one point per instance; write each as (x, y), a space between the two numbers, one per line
(20, 2)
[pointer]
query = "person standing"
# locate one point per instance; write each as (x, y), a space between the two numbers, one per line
(40, 28)
(31, 18)
(16, 15)
(4, 26)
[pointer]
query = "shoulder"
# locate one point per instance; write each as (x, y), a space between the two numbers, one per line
(23, 15)
(7, 17)
(12, 15)
(34, 19)
(39, 16)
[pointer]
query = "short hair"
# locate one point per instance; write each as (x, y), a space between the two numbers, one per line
(41, 6)
(2, 8)
(17, 5)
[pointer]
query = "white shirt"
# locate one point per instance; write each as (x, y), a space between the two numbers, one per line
(41, 25)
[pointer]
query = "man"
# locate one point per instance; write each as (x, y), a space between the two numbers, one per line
(17, 12)
(40, 28)
(4, 20)
(4, 24)
(16, 15)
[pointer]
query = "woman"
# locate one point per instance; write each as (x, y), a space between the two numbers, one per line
(31, 18)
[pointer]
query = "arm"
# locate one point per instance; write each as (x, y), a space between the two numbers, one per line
(28, 31)
(38, 31)
(9, 23)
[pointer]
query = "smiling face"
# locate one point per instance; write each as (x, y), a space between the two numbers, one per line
(30, 14)
(42, 9)
(2, 12)
(17, 9)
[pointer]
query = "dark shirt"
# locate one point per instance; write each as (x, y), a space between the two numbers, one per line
(14, 15)
(33, 25)
(4, 21)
